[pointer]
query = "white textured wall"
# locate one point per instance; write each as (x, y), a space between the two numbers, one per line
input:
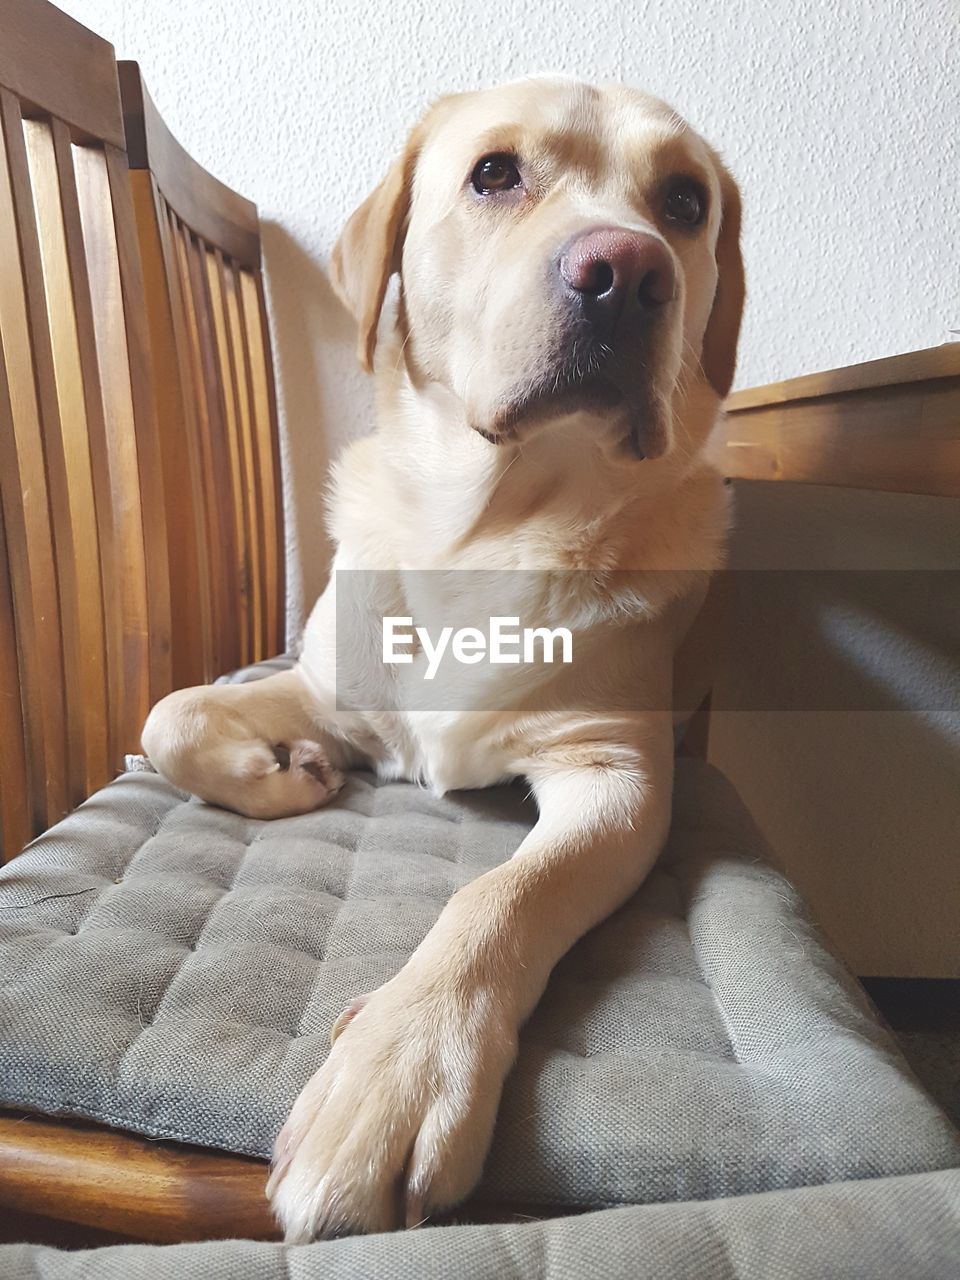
(841, 122)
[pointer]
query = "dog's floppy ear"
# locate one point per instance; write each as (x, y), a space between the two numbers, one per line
(719, 356)
(369, 250)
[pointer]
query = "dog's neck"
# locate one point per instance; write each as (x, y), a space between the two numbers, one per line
(560, 499)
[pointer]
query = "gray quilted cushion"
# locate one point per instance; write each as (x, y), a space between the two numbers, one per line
(174, 969)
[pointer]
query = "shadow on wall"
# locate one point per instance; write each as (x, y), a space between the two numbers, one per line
(313, 343)
(837, 710)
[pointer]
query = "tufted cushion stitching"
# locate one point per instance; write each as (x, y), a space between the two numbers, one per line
(188, 952)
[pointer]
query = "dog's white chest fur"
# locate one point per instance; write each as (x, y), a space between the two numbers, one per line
(442, 752)
(434, 718)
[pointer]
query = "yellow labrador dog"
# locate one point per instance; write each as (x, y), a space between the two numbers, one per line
(570, 292)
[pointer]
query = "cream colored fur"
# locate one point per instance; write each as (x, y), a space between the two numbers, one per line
(397, 1121)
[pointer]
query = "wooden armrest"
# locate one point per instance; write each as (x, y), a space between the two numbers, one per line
(161, 1192)
(73, 1171)
(891, 424)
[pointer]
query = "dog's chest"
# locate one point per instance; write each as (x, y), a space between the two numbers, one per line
(444, 666)
(440, 721)
(442, 752)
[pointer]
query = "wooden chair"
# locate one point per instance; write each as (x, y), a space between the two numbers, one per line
(133, 344)
(84, 590)
(200, 247)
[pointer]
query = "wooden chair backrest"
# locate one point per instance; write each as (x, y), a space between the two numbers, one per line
(200, 246)
(141, 542)
(84, 595)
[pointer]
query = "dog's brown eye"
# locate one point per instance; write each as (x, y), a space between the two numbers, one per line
(496, 173)
(685, 203)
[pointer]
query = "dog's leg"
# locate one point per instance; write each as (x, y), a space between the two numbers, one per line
(257, 748)
(398, 1120)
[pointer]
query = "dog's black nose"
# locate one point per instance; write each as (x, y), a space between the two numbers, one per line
(617, 275)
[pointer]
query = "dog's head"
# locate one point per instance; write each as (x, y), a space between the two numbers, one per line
(562, 249)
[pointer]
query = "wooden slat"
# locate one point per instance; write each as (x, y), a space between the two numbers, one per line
(214, 212)
(226, 379)
(221, 495)
(208, 500)
(249, 459)
(280, 642)
(266, 444)
(54, 64)
(16, 814)
(155, 1191)
(80, 517)
(146, 427)
(178, 443)
(177, 283)
(20, 521)
(97, 439)
(100, 244)
(45, 378)
(26, 504)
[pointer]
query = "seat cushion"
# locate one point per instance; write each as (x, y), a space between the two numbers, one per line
(174, 969)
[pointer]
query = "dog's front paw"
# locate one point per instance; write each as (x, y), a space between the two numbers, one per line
(281, 780)
(397, 1122)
